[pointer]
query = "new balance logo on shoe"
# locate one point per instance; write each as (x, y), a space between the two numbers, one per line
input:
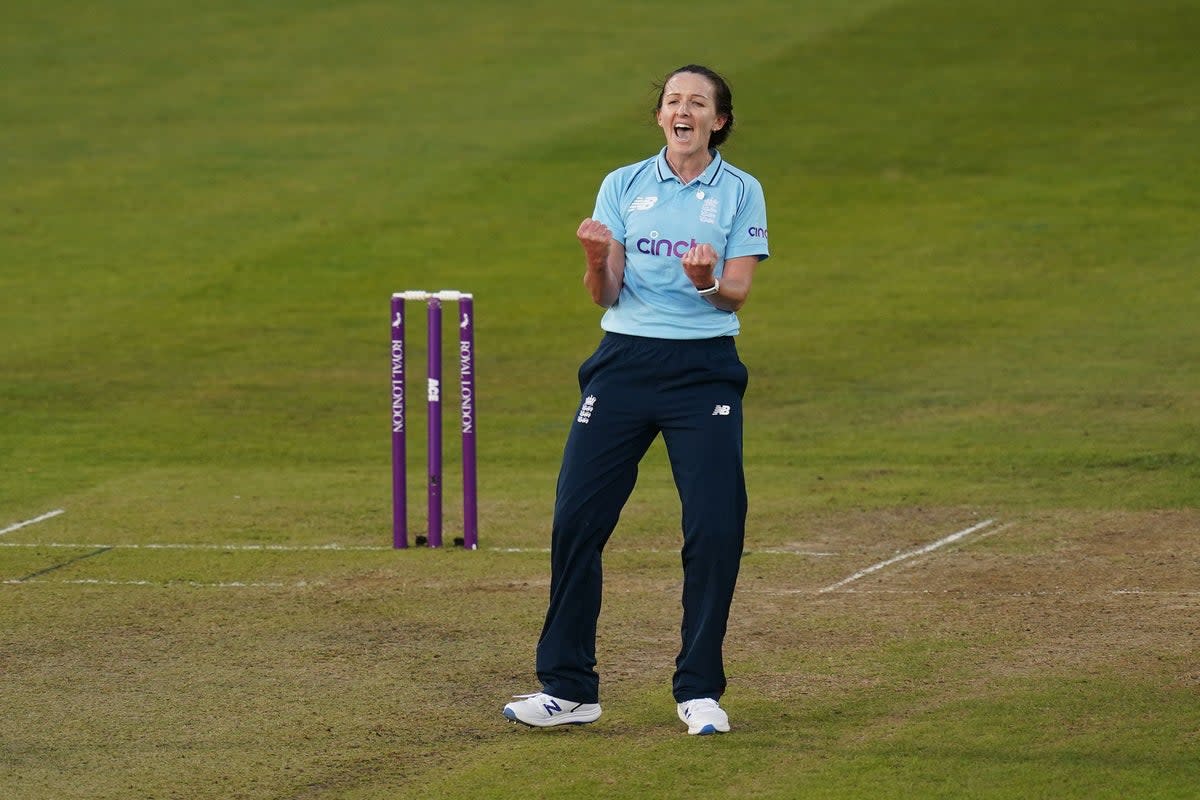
(720, 411)
(540, 710)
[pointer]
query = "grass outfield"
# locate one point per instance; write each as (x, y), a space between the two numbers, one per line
(981, 306)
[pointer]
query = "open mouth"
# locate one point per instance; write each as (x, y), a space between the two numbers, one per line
(683, 133)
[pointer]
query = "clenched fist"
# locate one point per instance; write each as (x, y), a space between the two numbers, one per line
(596, 238)
(699, 263)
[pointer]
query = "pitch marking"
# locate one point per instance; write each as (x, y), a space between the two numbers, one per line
(247, 547)
(34, 521)
(191, 584)
(284, 548)
(929, 548)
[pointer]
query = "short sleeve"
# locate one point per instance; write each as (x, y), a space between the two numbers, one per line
(608, 205)
(748, 235)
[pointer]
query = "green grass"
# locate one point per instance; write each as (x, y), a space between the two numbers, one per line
(981, 303)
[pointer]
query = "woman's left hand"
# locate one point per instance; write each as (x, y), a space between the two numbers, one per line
(699, 263)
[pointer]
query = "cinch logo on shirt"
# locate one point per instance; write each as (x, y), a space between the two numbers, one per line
(655, 246)
(757, 233)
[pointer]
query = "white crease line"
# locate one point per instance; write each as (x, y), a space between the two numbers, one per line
(191, 584)
(181, 546)
(954, 537)
(995, 530)
(1156, 592)
(34, 521)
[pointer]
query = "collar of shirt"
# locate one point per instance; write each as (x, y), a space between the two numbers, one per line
(708, 177)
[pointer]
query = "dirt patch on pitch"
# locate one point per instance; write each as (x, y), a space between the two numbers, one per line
(1062, 592)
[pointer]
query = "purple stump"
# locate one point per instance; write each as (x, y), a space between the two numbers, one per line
(435, 421)
(466, 377)
(399, 446)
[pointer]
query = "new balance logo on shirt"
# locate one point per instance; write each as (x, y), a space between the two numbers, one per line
(720, 411)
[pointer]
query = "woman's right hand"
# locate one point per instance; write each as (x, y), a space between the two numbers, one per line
(596, 239)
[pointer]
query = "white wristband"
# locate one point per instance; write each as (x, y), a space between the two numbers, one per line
(716, 287)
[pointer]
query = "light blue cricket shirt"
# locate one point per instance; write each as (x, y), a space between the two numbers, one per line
(657, 218)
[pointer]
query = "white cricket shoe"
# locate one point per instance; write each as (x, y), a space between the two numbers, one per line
(543, 711)
(703, 716)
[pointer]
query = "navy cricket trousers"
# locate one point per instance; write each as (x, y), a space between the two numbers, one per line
(634, 388)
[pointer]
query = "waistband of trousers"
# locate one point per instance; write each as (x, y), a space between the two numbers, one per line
(715, 343)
